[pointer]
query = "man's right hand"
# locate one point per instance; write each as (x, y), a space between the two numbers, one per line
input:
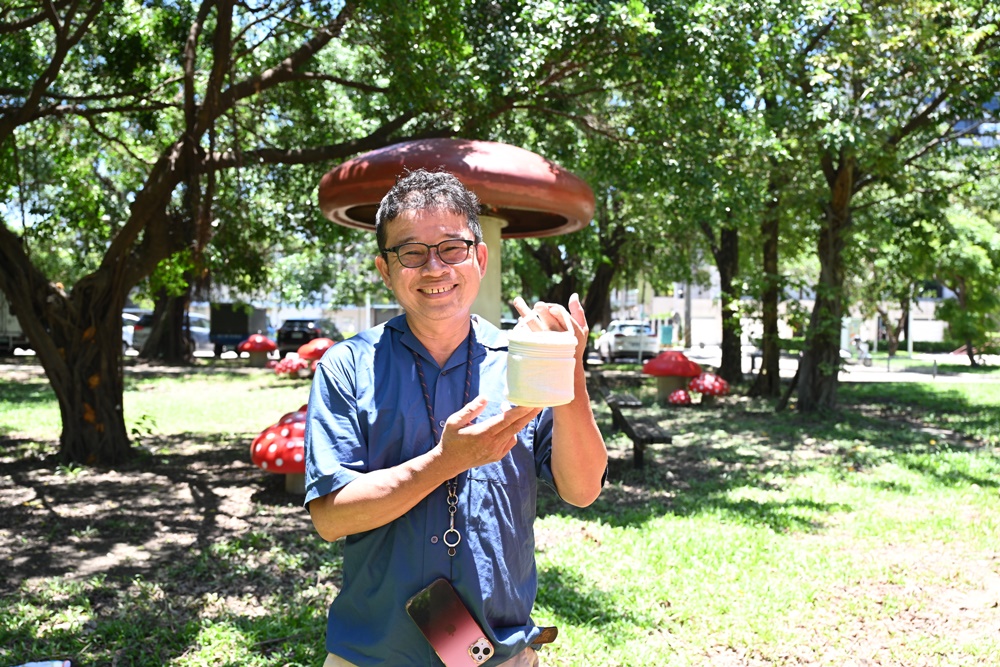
(466, 444)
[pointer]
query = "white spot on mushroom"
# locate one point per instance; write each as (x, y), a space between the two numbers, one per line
(285, 432)
(297, 458)
(273, 448)
(279, 462)
(263, 465)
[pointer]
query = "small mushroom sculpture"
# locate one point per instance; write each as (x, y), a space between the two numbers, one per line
(293, 365)
(281, 449)
(672, 370)
(259, 346)
(709, 385)
(679, 397)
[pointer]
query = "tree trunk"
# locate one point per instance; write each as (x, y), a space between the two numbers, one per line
(892, 330)
(612, 236)
(553, 264)
(77, 339)
(820, 363)
(728, 262)
(768, 381)
(970, 351)
(169, 341)
(597, 301)
(90, 391)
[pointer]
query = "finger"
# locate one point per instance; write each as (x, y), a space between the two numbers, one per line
(505, 424)
(577, 311)
(560, 318)
(516, 419)
(468, 412)
(528, 317)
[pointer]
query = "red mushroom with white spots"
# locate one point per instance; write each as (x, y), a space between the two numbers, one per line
(709, 385)
(259, 347)
(293, 365)
(280, 449)
(672, 370)
(679, 397)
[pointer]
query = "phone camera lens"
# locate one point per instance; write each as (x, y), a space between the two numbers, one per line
(475, 650)
(486, 651)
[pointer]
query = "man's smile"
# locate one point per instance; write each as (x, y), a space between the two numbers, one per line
(436, 290)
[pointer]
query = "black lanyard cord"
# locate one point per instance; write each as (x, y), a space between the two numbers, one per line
(451, 536)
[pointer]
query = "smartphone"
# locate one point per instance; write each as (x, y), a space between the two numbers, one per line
(448, 626)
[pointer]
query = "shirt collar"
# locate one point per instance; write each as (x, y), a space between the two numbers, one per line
(487, 336)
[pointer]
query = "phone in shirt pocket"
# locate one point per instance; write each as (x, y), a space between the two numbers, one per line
(448, 626)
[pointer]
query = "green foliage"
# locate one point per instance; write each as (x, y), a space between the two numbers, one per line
(968, 263)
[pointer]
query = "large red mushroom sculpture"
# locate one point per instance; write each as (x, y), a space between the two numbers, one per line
(522, 194)
(672, 370)
(280, 449)
(259, 347)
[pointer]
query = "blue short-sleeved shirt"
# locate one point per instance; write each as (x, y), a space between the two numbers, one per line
(367, 412)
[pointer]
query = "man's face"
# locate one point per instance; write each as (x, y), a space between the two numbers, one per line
(434, 291)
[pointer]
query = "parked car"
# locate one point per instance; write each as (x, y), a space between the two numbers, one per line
(293, 334)
(129, 320)
(198, 329)
(624, 339)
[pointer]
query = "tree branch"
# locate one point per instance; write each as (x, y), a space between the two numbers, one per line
(64, 42)
(376, 139)
(284, 71)
(347, 83)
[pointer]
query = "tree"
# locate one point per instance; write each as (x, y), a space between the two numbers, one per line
(968, 263)
(122, 121)
(881, 96)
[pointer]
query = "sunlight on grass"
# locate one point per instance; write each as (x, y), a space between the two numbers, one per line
(755, 538)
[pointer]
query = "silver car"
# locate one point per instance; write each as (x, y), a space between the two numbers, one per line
(627, 339)
(199, 330)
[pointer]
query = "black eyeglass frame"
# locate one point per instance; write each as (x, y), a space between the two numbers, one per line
(469, 243)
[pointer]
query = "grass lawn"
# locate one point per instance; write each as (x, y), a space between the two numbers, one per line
(867, 536)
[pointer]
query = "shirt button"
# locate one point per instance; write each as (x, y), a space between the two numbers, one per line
(434, 539)
(441, 423)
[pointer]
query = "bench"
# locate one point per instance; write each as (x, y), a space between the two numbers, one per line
(641, 431)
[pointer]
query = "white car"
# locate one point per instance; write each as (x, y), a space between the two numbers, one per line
(129, 320)
(627, 339)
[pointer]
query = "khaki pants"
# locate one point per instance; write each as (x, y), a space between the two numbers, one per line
(526, 658)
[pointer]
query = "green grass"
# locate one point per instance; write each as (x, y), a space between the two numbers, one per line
(755, 538)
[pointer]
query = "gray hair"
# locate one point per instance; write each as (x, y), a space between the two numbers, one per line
(426, 190)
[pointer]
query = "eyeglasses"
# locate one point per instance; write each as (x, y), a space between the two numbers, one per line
(415, 255)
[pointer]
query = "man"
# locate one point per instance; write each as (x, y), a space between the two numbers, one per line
(413, 454)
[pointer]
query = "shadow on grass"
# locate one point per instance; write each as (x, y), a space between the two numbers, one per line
(186, 546)
(575, 600)
(105, 621)
(181, 496)
(721, 452)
